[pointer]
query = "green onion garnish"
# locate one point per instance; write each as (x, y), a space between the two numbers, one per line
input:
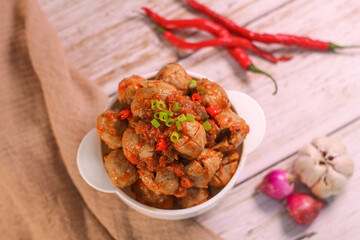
(169, 122)
(190, 117)
(192, 84)
(155, 123)
(154, 104)
(178, 126)
(161, 105)
(182, 118)
(169, 113)
(207, 126)
(163, 116)
(176, 107)
(174, 137)
(204, 117)
(157, 115)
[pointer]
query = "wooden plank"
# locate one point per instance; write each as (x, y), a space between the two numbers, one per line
(108, 40)
(244, 214)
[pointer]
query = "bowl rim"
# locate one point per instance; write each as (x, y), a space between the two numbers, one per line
(185, 211)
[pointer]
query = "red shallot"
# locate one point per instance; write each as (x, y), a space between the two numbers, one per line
(278, 184)
(303, 208)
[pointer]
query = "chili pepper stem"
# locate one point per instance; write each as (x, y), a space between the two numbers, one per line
(160, 29)
(333, 46)
(254, 69)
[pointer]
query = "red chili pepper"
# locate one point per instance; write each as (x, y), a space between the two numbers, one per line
(285, 39)
(241, 57)
(124, 114)
(238, 53)
(161, 145)
(230, 41)
(213, 110)
(196, 98)
(211, 27)
(201, 24)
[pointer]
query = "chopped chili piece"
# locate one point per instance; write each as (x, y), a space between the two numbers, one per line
(196, 98)
(124, 114)
(161, 145)
(213, 110)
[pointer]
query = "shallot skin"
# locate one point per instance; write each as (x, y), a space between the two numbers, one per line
(278, 184)
(303, 208)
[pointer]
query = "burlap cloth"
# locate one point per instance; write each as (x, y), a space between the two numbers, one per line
(46, 107)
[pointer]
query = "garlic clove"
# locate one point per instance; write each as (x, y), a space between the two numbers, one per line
(332, 147)
(344, 165)
(310, 165)
(322, 143)
(331, 183)
(336, 148)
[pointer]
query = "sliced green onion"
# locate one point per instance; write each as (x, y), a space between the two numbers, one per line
(190, 117)
(176, 106)
(207, 125)
(155, 123)
(163, 116)
(192, 84)
(161, 105)
(178, 126)
(169, 113)
(204, 117)
(157, 115)
(169, 122)
(182, 118)
(174, 137)
(154, 104)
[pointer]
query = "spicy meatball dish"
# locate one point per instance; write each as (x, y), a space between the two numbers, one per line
(171, 139)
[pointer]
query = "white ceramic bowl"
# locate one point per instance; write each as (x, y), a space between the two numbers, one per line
(91, 167)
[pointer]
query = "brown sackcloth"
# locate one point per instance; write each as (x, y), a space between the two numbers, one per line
(46, 107)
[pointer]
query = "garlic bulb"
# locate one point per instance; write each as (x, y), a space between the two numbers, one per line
(324, 166)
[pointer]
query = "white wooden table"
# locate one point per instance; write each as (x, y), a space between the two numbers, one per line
(319, 93)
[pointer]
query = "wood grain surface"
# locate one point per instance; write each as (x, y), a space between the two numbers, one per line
(319, 92)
